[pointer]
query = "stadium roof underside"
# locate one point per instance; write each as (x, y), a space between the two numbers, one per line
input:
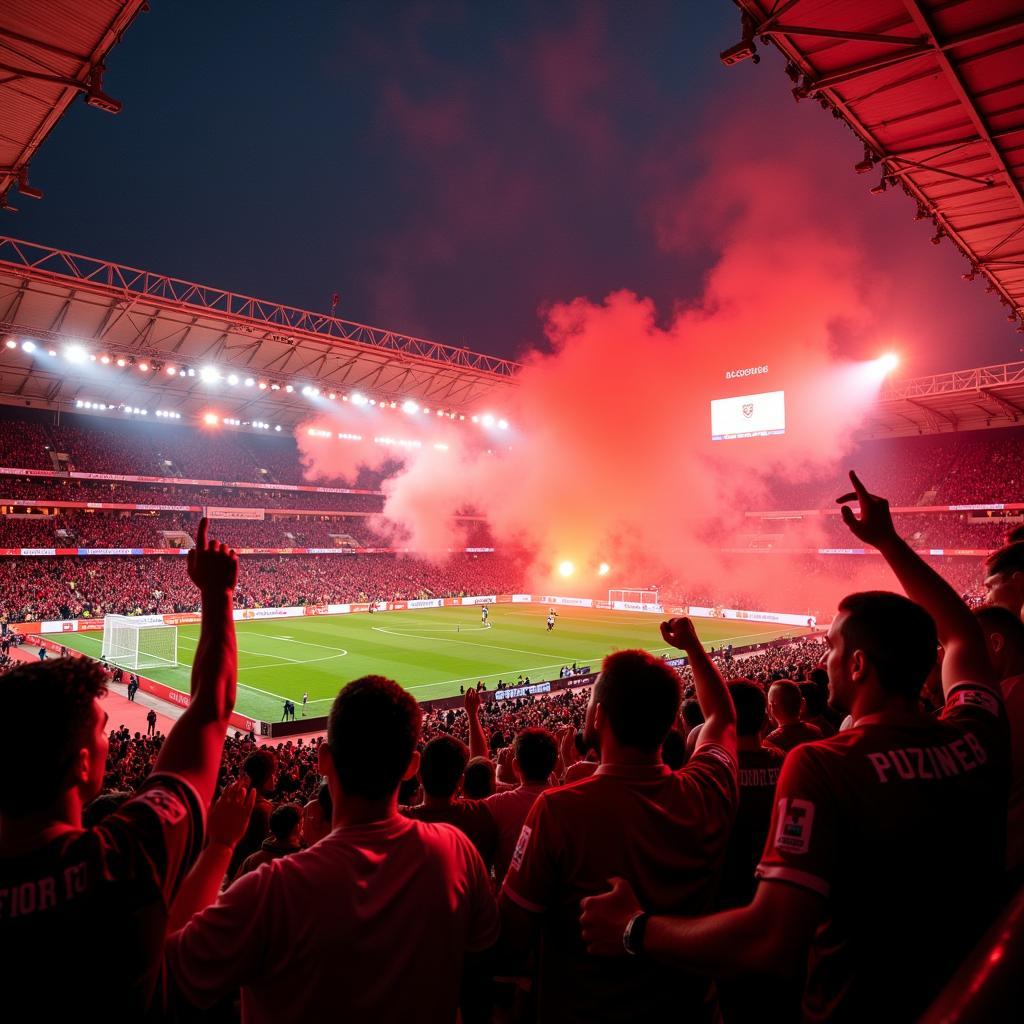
(49, 54)
(989, 396)
(935, 91)
(56, 298)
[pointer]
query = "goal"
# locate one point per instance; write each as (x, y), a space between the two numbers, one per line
(139, 642)
(639, 598)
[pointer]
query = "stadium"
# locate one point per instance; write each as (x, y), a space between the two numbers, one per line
(324, 579)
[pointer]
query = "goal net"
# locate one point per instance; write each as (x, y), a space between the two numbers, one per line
(634, 600)
(139, 642)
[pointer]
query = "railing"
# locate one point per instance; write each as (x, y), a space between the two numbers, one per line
(44, 262)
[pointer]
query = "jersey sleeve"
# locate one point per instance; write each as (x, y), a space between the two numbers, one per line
(532, 879)
(802, 836)
(224, 945)
(713, 770)
(156, 836)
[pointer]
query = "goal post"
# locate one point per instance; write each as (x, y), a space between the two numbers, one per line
(638, 598)
(138, 642)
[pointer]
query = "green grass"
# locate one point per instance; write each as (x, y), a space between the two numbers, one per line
(429, 652)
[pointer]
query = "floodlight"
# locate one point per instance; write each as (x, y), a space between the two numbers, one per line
(75, 354)
(603, 569)
(209, 375)
(28, 346)
(566, 568)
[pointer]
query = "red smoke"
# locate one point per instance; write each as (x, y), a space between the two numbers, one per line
(609, 458)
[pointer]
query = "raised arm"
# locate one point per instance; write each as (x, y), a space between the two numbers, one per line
(229, 817)
(712, 693)
(477, 738)
(194, 746)
(965, 655)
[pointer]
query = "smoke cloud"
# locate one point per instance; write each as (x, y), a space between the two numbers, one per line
(609, 456)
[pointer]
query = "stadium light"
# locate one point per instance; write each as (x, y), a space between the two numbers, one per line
(410, 406)
(171, 371)
(75, 354)
(211, 419)
(503, 424)
(250, 382)
(889, 362)
(358, 399)
(209, 375)
(487, 420)
(28, 346)
(143, 367)
(603, 569)
(232, 379)
(11, 343)
(566, 568)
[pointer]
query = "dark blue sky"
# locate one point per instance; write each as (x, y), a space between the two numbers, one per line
(450, 168)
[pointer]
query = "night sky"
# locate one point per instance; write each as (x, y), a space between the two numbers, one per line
(454, 169)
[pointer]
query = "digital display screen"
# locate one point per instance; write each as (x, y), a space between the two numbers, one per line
(762, 415)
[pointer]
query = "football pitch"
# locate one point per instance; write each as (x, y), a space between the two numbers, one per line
(431, 653)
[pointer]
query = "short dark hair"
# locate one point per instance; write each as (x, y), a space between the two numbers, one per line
(815, 699)
(323, 798)
(996, 619)
(34, 764)
(536, 751)
(284, 820)
(478, 781)
(442, 764)
(639, 695)
(897, 635)
(819, 677)
(751, 706)
(787, 695)
(260, 766)
(1007, 559)
(372, 731)
(673, 750)
(692, 714)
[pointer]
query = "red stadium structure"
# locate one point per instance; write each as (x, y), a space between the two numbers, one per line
(113, 445)
(936, 94)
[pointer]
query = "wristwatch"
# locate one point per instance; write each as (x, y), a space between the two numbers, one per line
(633, 936)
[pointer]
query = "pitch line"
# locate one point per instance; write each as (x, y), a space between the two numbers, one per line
(467, 643)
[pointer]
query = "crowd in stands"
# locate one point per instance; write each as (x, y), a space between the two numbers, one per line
(147, 448)
(74, 528)
(977, 467)
(829, 825)
(88, 587)
(977, 531)
(36, 492)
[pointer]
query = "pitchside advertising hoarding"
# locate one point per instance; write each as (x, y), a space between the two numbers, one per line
(522, 691)
(637, 606)
(227, 512)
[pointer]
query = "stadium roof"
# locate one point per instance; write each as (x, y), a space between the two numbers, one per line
(55, 299)
(50, 52)
(988, 396)
(935, 91)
